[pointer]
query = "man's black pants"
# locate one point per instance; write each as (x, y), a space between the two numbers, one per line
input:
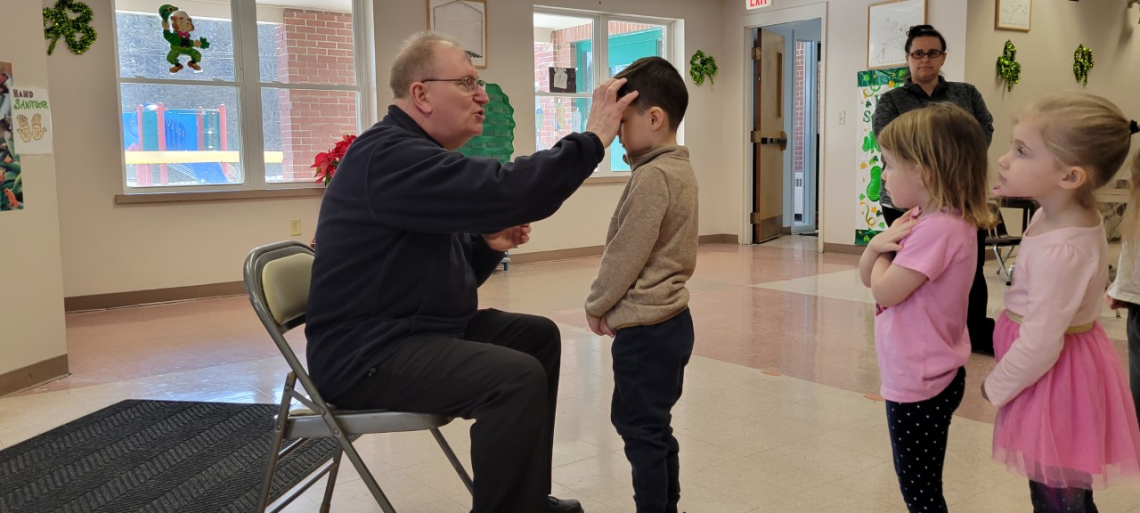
(504, 374)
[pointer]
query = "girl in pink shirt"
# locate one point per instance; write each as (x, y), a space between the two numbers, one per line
(1066, 418)
(920, 271)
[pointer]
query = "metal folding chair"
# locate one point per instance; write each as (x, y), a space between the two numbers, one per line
(277, 278)
(1000, 240)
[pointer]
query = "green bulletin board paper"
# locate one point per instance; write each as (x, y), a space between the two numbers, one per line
(498, 137)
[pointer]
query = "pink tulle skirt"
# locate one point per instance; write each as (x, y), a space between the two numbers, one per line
(1075, 427)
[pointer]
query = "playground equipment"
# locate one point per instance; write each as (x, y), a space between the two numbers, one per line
(189, 148)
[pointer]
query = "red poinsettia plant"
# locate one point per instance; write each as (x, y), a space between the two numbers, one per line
(326, 162)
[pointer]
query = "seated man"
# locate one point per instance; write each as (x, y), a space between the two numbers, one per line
(408, 230)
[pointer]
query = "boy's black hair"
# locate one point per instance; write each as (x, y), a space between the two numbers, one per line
(923, 31)
(659, 85)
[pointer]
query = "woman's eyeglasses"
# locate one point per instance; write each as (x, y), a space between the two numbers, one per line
(919, 54)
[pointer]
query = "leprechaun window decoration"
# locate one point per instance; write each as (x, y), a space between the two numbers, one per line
(176, 28)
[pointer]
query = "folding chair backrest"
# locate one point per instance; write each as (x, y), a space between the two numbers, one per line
(277, 278)
(999, 230)
(286, 285)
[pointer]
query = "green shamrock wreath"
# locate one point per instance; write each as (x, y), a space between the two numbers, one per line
(76, 32)
(701, 66)
(1082, 63)
(1007, 66)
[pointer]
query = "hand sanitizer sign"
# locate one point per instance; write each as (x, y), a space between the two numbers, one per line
(756, 4)
(31, 120)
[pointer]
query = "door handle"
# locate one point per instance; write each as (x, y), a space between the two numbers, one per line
(782, 140)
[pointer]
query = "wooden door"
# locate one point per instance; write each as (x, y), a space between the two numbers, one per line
(768, 137)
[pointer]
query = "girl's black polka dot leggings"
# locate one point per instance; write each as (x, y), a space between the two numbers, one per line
(918, 441)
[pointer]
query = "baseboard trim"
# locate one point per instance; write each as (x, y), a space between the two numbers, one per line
(32, 375)
(144, 297)
(853, 249)
(592, 251)
(557, 254)
(843, 249)
(720, 238)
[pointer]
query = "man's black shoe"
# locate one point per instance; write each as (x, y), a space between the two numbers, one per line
(556, 505)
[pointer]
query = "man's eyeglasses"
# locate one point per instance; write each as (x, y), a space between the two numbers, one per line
(919, 54)
(469, 84)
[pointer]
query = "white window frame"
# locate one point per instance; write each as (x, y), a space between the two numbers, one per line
(247, 80)
(601, 48)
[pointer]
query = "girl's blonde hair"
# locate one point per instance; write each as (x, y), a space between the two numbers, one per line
(949, 147)
(1084, 130)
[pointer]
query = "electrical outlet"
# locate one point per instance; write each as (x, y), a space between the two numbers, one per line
(294, 227)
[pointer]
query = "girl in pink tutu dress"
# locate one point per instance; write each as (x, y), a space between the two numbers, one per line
(1066, 420)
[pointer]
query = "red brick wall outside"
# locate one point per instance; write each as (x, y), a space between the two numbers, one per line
(543, 59)
(561, 51)
(316, 48)
(798, 120)
(621, 27)
(558, 52)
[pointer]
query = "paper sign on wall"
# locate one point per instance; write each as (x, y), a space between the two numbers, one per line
(563, 80)
(869, 220)
(31, 120)
(756, 4)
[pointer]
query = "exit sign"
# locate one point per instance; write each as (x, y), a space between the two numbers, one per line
(756, 4)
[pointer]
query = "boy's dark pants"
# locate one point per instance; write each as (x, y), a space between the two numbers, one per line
(649, 368)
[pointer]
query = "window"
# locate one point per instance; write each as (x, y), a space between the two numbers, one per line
(229, 126)
(567, 50)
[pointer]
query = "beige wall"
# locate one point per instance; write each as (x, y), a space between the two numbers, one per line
(1046, 57)
(845, 54)
(31, 304)
(583, 219)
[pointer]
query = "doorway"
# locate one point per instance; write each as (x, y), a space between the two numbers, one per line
(786, 89)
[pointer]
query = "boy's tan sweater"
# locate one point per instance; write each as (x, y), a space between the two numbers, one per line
(651, 247)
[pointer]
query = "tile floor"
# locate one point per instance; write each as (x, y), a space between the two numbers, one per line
(778, 413)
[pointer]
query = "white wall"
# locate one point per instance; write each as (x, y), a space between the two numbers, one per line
(31, 304)
(845, 54)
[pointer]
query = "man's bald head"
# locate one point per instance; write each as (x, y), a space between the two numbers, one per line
(416, 60)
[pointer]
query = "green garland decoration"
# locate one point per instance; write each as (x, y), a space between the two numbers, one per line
(76, 32)
(1082, 63)
(701, 66)
(1007, 66)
